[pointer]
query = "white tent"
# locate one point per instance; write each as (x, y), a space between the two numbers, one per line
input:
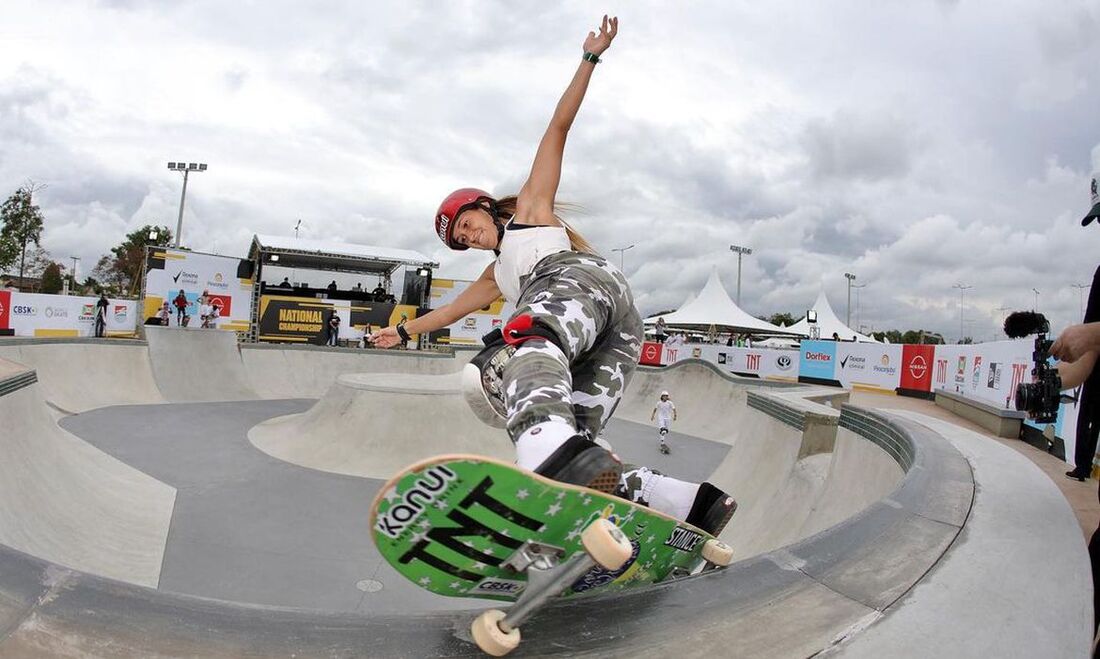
(713, 306)
(828, 323)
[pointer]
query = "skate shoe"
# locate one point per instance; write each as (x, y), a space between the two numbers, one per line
(663, 448)
(580, 461)
(483, 383)
(712, 509)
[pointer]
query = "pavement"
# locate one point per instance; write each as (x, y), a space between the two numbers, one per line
(234, 483)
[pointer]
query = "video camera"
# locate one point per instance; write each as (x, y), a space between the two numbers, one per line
(1041, 397)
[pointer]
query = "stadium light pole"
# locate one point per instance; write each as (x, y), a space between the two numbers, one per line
(1081, 295)
(858, 309)
(741, 251)
(76, 261)
(962, 289)
(620, 250)
(1036, 292)
(850, 277)
(186, 168)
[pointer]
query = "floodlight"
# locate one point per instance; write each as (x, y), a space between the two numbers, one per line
(811, 316)
(274, 258)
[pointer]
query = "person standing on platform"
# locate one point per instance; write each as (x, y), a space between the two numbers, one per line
(101, 315)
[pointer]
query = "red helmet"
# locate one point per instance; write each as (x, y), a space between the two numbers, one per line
(449, 210)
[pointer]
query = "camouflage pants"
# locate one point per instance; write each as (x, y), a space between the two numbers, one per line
(587, 305)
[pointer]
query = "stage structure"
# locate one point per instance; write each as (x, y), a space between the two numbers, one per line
(292, 312)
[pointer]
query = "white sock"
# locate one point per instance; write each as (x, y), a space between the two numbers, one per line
(539, 441)
(671, 496)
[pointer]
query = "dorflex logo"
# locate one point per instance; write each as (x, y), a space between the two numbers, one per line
(823, 357)
(783, 363)
(412, 503)
(918, 367)
(490, 586)
(683, 539)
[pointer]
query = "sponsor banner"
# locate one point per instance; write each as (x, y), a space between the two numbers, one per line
(651, 354)
(169, 271)
(39, 314)
(917, 362)
(5, 310)
(286, 319)
(817, 359)
(468, 330)
(867, 365)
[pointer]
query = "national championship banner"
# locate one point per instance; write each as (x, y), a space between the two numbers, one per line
(287, 319)
(468, 330)
(39, 314)
(169, 271)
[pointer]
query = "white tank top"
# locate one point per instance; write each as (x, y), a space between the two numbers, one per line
(520, 250)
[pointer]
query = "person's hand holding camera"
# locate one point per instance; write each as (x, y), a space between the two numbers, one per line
(1076, 341)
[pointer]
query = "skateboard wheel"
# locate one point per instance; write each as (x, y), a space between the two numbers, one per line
(717, 552)
(606, 544)
(490, 637)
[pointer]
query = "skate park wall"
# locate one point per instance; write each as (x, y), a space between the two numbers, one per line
(66, 501)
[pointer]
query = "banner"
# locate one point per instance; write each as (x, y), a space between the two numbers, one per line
(39, 314)
(170, 271)
(651, 354)
(817, 361)
(916, 367)
(287, 319)
(873, 366)
(468, 330)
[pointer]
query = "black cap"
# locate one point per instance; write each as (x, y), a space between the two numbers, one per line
(1095, 212)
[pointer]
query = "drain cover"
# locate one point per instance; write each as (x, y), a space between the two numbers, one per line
(369, 586)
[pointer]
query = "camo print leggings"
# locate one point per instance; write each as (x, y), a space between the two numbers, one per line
(587, 305)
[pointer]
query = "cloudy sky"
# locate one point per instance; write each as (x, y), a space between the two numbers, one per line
(917, 145)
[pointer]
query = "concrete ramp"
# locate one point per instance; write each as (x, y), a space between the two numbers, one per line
(80, 376)
(65, 501)
(373, 424)
(196, 365)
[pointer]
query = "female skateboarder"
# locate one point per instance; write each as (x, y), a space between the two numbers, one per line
(557, 371)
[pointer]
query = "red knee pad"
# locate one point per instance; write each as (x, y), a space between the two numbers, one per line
(526, 327)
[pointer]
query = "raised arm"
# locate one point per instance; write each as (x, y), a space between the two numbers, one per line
(477, 295)
(535, 204)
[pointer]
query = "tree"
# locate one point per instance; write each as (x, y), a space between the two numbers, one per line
(51, 278)
(22, 224)
(104, 278)
(781, 318)
(122, 269)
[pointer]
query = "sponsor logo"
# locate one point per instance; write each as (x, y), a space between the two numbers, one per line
(415, 500)
(696, 352)
(854, 362)
(721, 358)
(218, 277)
(59, 312)
(489, 586)
(22, 310)
(941, 371)
(783, 363)
(470, 323)
(818, 357)
(960, 370)
(497, 322)
(599, 576)
(443, 222)
(186, 277)
(885, 367)
(652, 352)
(885, 360)
(120, 312)
(752, 362)
(993, 380)
(918, 367)
(976, 372)
(683, 539)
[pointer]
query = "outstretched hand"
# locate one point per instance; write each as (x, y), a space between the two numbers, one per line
(1075, 341)
(598, 43)
(387, 337)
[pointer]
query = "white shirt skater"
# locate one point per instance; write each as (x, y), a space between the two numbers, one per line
(521, 250)
(665, 408)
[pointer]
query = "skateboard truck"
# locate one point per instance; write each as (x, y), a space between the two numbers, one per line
(497, 632)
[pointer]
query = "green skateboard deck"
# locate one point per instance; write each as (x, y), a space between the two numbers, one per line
(450, 524)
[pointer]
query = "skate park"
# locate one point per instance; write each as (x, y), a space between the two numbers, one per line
(187, 495)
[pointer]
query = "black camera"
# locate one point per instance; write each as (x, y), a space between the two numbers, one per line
(1040, 397)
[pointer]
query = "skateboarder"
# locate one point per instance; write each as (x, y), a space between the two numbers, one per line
(665, 413)
(558, 369)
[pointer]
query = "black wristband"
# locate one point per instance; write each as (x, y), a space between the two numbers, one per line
(591, 57)
(403, 333)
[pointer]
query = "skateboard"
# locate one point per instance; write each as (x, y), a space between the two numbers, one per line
(471, 526)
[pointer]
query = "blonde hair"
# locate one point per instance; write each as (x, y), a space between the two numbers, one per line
(506, 206)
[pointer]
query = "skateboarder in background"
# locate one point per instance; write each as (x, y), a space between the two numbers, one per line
(665, 413)
(561, 364)
(180, 302)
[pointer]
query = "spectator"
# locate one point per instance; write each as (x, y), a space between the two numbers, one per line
(836, 337)
(332, 287)
(181, 307)
(101, 315)
(285, 283)
(358, 287)
(333, 328)
(379, 293)
(205, 311)
(729, 341)
(164, 314)
(661, 330)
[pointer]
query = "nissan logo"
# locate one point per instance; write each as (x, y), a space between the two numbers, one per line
(652, 352)
(918, 367)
